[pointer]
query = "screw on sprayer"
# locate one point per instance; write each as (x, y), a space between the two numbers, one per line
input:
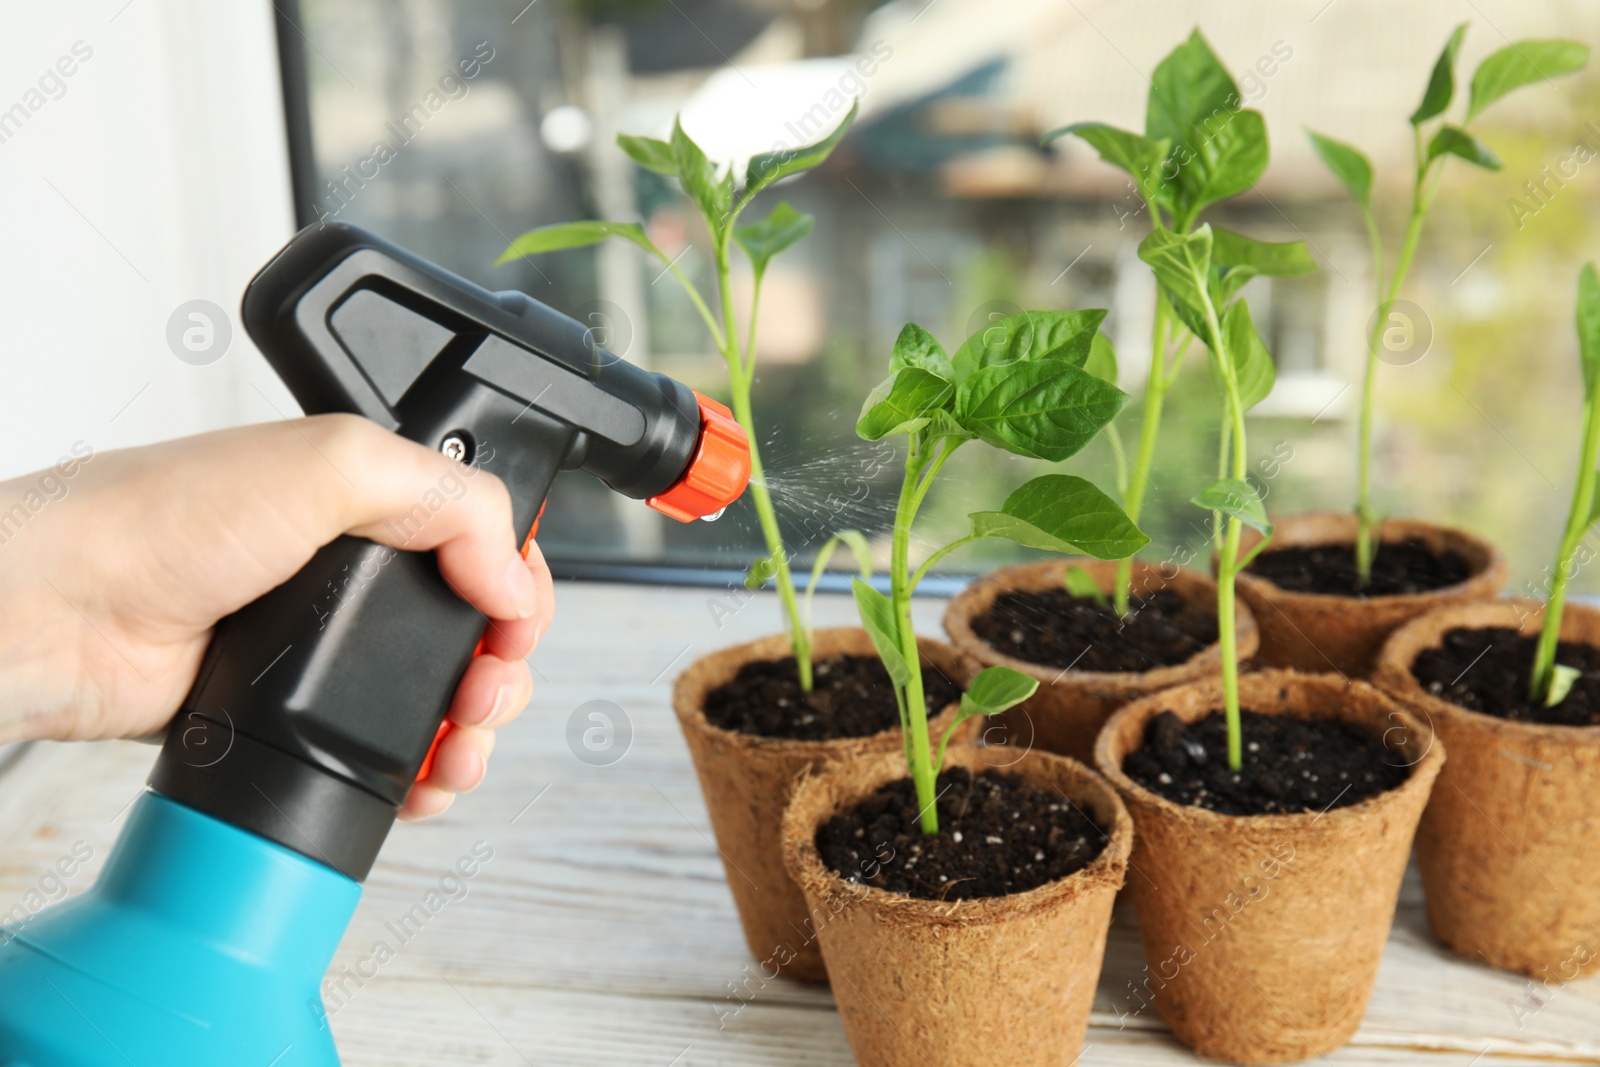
(717, 474)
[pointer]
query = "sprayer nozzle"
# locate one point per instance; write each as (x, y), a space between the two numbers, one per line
(717, 474)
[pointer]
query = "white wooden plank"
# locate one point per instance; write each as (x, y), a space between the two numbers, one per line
(601, 930)
(495, 1025)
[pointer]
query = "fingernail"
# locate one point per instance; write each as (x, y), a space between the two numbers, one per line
(520, 584)
(501, 708)
(483, 770)
(483, 763)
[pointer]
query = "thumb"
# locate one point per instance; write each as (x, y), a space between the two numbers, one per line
(412, 498)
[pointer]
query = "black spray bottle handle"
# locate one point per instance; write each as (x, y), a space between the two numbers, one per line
(317, 704)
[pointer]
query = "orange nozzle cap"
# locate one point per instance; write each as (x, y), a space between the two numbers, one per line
(718, 472)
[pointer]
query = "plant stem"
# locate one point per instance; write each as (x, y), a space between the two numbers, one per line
(739, 381)
(699, 304)
(1224, 439)
(927, 564)
(930, 470)
(1228, 563)
(755, 308)
(1578, 519)
(1366, 519)
(1120, 456)
(1155, 391)
(1226, 572)
(924, 775)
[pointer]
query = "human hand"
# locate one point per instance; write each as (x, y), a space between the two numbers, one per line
(114, 568)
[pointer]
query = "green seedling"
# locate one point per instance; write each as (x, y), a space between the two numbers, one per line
(1200, 146)
(859, 547)
(1019, 385)
(1434, 140)
(721, 201)
(1081, 584)
(1202, 293)
(1551, 681)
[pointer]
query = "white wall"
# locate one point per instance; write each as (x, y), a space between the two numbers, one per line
(158, 176)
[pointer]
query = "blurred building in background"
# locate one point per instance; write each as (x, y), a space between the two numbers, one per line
(452, 126)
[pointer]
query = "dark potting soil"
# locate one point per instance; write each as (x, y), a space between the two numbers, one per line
(1399, 568)
(997, 835)
(1489, 669)
(1056, 629)
(1290, 765)
(851, 696)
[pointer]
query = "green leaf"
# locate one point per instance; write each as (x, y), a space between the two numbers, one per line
(650, 153)
(1237, 500)
(901, 403)
(1217, 149)
(995, 689)
(762, 240)
(1442, 82)
(1137, 155)
(1277, 259)
(942, 423)
(1561, 679)
(1029, 335)
(1452, 140)
(992, 690)
(575, 235)
(858, 545)
(1062, 513)
(1226, 282)
(1102, 361)
(1180, 261)
(916, 347)
(1182, 264)
(1589, 326)
(1081, 584)
(1594, 509)
(1045, 409)
(877, 618)
(1192, 316)
(1252, 363)
(1347, 163)
(760, 572)
(1229, 155)
(713, 196)
(1187, 88)
(768, 167)
(1522, 63)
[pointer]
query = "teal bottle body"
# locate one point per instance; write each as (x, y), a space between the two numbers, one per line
(200, 944)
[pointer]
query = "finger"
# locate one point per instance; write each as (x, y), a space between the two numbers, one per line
(511, 639)
(545, 583)
(461, 760)
(260, 500)
(493, 691)
(425, 801)
(516, 638)
(413, 498)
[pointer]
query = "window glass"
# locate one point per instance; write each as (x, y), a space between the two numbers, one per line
(452, 127)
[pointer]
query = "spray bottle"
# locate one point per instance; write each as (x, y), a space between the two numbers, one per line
(204, 940)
